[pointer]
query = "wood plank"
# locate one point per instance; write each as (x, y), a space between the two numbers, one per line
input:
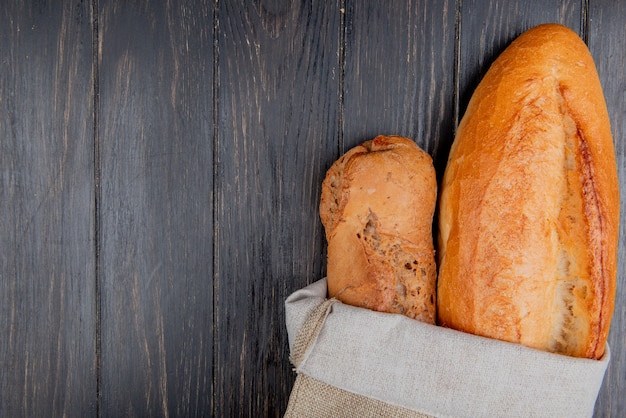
(278, 89)
(606, 35)
(155, 138)
(47, 257)
(399, 73)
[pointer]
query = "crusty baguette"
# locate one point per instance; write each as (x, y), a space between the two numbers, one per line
(377, 207)
(529, 204)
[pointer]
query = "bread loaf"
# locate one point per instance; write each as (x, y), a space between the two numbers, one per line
(377, 208)
(529, 206)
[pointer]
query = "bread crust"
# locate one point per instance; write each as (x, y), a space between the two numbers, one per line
(377, 207)
(529, 205)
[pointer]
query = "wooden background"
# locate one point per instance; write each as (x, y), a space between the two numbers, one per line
(160, 171)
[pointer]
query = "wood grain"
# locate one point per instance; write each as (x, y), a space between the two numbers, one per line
(47, 293)
(606, 34)
(155, 139)
(399, 72)
(278, 87)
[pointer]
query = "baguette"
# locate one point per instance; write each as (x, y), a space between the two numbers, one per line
(377, 207)
(529, 205)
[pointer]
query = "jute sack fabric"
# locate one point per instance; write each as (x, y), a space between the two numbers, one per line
(353, 362)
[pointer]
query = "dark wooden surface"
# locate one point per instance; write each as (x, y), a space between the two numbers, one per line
(48, 315)
(155, 207)
(160, 170)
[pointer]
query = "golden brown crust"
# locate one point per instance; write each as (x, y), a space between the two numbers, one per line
(377, 208)
(529, 203)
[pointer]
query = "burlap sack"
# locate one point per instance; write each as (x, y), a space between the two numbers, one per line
(352, 362)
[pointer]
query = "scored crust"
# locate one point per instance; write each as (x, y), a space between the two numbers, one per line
(529, 202)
